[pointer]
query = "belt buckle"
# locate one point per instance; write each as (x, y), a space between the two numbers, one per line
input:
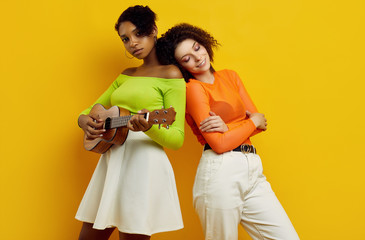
(246, 148)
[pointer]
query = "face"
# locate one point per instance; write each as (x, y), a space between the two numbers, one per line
(136, 44)
(192, 56)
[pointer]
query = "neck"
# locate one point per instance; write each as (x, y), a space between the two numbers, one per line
(151, 59)
(206, 77)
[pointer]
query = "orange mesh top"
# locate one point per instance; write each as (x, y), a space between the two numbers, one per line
(226, 97)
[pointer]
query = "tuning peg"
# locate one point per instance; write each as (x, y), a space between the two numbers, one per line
(167, 126)
(159, 126)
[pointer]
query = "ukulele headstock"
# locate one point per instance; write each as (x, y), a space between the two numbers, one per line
(165, 116)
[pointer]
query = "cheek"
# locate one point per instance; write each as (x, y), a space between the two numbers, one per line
(185, 65)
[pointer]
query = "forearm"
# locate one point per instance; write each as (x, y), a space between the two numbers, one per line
(236, 135)
(173, 137)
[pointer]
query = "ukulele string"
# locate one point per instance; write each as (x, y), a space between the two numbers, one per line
(120, 121)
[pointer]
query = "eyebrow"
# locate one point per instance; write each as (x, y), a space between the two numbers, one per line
(134, 30)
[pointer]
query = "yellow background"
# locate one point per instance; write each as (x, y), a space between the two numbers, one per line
(301, 61)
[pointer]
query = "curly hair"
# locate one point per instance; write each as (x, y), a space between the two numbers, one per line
(142, 17)
(167, 43)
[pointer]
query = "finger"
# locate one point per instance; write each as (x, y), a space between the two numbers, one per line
(96, 125)
(141, 119)
(92, 136)
(248, 113)
(216, 129)
(140, 122)
(143, 110)
(205, 120)
(130, 126)
(136, 124)
(144, 125)
(95, 133)
(210, 119)
(210, 126)
(95, 119)
(206, 125)
(263, 128)
(213, 121)
(212, 113)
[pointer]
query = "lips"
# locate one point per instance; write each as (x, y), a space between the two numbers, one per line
(137, 51)
(201, 64)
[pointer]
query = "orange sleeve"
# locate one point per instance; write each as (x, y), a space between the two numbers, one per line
(198, 107)
(245, 98)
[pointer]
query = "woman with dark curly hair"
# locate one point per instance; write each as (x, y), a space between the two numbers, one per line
(133, 187)
(230, 187)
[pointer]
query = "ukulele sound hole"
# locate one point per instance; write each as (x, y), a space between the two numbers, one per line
(107, 123)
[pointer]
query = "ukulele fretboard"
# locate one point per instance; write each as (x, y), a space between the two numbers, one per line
(115, 122)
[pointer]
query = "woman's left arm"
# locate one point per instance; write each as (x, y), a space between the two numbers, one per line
(174, 96)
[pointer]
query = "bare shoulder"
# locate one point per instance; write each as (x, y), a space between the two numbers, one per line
(171, 71)
(129, 71)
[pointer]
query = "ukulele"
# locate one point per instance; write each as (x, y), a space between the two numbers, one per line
(115, 123)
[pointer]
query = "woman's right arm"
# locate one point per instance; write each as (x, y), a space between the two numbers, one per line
(92, 127)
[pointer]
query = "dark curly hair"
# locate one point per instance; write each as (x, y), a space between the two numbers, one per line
(142, 17)
(167, 43)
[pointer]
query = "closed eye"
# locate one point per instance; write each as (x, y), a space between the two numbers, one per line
(186, 59)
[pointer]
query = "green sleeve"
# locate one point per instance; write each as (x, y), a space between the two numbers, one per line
(104, 99)
(173, 137)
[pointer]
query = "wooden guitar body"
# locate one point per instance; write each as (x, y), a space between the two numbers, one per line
(111, 136)
(115, 123)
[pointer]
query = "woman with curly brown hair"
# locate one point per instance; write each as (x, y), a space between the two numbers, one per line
(230, 187)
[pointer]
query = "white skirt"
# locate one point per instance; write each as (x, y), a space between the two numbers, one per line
(133, 188)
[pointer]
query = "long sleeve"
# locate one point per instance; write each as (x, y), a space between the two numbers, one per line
(245, 98)
(174, 136)
(199, 106)
(105, 98)
(134, 93)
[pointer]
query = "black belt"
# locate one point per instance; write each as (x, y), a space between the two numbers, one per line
(245, 148)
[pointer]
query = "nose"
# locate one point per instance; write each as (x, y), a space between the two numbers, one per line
(198, 58)
(132, 42)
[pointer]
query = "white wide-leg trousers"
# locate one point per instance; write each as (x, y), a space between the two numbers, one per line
(230, 189)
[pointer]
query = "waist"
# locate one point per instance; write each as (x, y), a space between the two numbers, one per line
(244, 148)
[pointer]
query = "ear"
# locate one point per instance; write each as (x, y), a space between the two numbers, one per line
(155, 31)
